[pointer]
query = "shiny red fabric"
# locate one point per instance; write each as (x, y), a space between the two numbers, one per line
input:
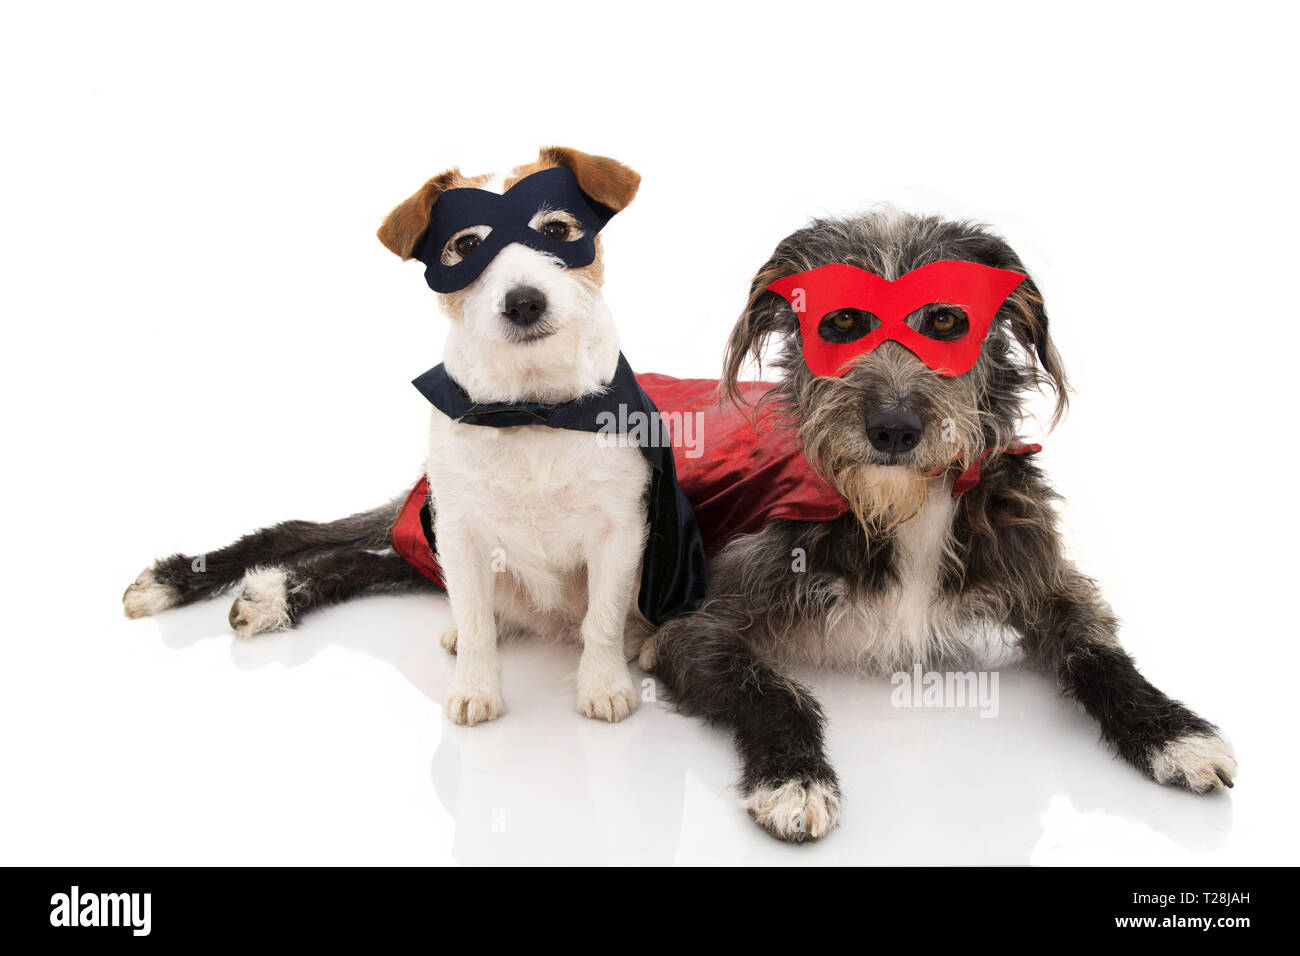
(744, 474)
(408, 534)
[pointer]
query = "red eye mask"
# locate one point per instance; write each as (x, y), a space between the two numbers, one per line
(977, 291)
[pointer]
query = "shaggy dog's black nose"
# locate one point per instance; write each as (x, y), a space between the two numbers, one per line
(524, 305)
(894, 431)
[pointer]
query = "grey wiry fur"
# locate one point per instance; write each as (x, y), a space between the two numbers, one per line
(910, 575)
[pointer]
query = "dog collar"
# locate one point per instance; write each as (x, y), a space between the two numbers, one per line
(881, 307)
(507, 215)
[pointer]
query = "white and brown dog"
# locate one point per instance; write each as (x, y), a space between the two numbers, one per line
(539, 529)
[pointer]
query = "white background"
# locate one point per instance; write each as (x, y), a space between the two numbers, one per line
(201, 336)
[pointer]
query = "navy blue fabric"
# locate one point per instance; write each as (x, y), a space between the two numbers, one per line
(673, 567)
(508, 215)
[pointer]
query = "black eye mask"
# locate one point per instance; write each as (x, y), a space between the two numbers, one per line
(508, 215)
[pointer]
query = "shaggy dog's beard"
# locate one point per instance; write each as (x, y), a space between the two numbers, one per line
(892, 495)
(882, 497)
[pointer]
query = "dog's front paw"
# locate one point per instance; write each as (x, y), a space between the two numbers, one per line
(448, 639)
(1198, 762)
(611, 702)
(147, 595)
(264, 604)
(799, 809)
(474, 705)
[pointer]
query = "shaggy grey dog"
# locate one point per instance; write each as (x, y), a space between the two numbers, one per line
(912, 573)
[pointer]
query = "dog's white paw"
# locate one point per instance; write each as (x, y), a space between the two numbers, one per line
(611, 700)
(1199, 762)
(264, 604)
(474, 705)
(147, 595)
(795, 810)
(448, 639)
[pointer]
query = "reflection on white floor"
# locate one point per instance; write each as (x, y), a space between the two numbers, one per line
(922, 786)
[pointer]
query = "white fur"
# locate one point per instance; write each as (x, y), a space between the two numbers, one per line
(537, 528)
(1195, 760)
(263, 606)
(576, 359)
(794, 811)
(147, 596)
(912, 621)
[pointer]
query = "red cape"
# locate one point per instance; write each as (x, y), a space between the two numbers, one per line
(743, 475)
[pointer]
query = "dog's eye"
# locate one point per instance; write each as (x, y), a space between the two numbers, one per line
(846, 325)
(945, 324)
(555, 229)
(467, 244)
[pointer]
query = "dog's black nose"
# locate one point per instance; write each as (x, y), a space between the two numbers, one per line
(894, 431)
(524, 305)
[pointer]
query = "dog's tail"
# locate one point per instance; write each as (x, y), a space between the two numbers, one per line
(289, 567)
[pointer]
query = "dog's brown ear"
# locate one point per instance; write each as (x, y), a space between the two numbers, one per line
(605, 180)
(405, 224)
(1029, 325)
